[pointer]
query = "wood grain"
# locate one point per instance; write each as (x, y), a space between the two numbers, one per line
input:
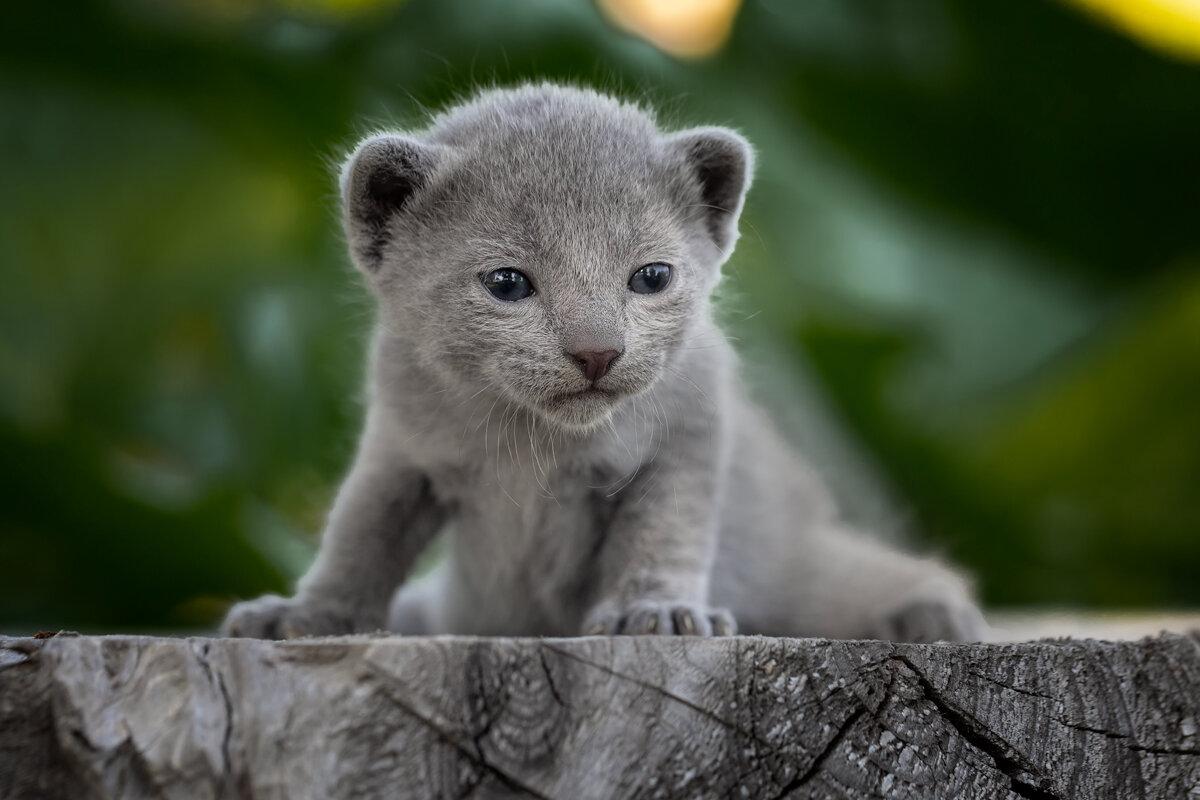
(626, 717)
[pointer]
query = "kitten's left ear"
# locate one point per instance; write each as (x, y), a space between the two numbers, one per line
(718, 161)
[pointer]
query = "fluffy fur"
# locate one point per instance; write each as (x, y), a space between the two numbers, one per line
(656, 499)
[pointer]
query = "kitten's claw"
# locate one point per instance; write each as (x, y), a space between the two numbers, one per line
(723, 623)
(274, 617)
(647, 617)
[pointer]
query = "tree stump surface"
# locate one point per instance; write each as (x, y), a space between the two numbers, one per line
(625, 717)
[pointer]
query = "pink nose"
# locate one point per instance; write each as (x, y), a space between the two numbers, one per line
(594, 363)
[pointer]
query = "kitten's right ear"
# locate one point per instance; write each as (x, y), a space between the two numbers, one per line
(378, 181)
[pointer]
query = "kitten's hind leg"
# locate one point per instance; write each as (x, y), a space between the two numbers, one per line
(852, 586)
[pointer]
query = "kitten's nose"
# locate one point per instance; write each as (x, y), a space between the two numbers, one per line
(594, 363)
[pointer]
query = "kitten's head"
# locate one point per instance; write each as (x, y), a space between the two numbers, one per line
(546, 244)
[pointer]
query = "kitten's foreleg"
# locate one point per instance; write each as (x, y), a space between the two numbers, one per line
(656, 562)
(383, 518)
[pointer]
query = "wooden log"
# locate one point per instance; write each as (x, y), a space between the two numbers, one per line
(627, 717)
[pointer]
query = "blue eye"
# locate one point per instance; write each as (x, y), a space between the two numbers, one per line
(508, 285)
(651, 278)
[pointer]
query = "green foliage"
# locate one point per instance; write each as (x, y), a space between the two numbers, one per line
(974, 230)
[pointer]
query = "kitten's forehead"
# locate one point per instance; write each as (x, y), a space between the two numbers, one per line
(554, 150)
(548, 117)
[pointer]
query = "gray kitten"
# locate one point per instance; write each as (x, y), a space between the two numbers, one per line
(548, 391)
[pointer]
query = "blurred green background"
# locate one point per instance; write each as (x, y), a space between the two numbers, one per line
(968, 281)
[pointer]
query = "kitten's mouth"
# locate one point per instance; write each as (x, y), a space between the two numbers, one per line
(591, 391)
(582, 409)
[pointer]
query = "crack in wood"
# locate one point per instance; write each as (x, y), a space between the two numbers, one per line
(1166, 751)
(478, 758)
(1023, 778)
(699, 709)
(549, 675)
(1009, 686)
(218, 681)
(819, 760)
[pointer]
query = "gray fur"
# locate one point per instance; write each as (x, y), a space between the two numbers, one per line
(663, 503)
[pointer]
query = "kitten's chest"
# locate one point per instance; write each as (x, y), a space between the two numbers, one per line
(517, 510)
(524, 545)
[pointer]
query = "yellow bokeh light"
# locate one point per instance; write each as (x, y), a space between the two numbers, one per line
(686, 28)
(1169, 25)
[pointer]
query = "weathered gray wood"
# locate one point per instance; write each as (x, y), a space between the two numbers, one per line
(638, 717)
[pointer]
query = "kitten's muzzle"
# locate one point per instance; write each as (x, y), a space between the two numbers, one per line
(594, 363)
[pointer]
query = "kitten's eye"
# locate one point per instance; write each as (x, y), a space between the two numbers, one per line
(651, 278)
(508, 285)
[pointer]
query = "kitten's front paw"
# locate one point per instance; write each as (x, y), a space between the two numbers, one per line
(655, 617)
(274, 617)
(932, 620)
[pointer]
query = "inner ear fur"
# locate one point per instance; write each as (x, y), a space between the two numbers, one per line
(378, 181)
(721, 162)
